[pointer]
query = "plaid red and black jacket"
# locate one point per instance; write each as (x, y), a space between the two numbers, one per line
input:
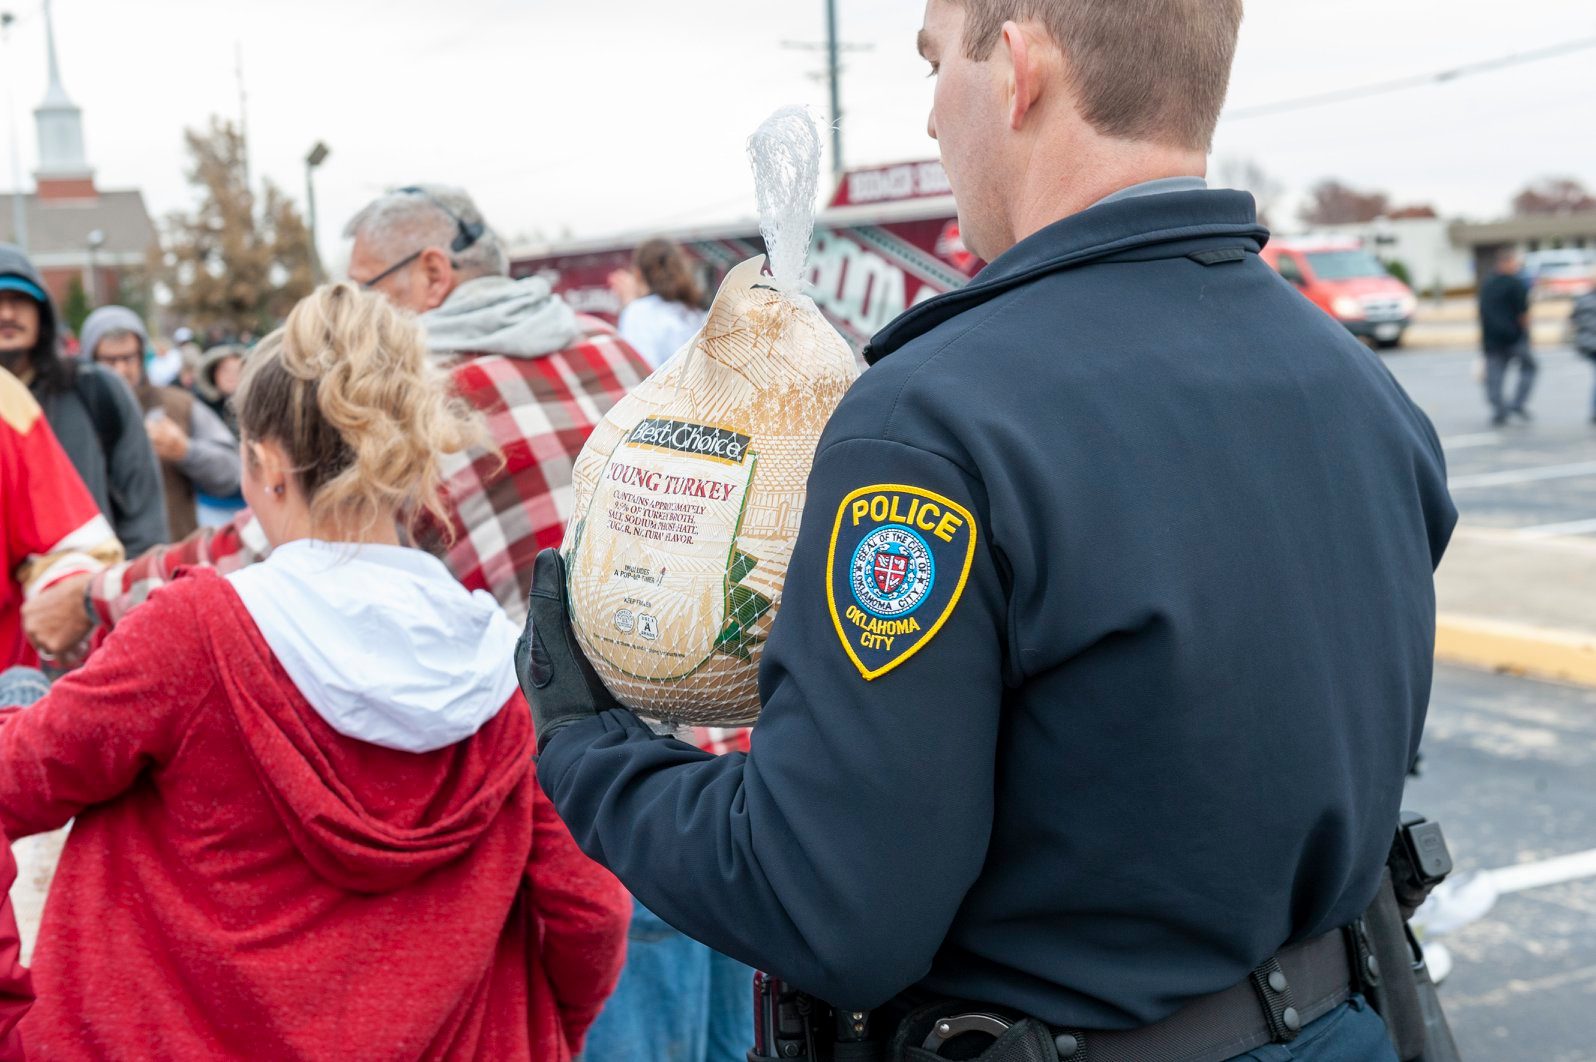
(505, 506)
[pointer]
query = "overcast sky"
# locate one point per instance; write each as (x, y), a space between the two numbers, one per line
(609, 115)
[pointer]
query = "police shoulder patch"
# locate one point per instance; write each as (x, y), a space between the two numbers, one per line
(900, 556)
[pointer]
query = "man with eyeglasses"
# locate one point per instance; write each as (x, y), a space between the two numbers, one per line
(541, 374)
(197, 451)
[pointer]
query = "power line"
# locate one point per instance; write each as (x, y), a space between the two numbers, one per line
(1439, 77)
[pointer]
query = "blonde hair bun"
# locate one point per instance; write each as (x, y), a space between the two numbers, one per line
(347, 388)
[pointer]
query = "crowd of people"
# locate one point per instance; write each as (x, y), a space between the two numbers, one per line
(1130, 792)
(342, 523)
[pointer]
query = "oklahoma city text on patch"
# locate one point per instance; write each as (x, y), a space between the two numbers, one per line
(900, 556)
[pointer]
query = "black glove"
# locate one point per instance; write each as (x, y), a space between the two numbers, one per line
(559, 683)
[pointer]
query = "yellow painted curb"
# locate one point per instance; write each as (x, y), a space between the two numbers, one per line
(1566, 656)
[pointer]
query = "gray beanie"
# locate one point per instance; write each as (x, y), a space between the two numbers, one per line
(103, 322)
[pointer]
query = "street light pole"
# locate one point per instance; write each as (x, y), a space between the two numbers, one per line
(318, 155)
(19, 208)
(96, 241)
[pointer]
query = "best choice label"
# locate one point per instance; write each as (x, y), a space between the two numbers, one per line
(699, 440)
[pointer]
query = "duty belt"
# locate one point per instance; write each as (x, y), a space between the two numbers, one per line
(1301, 983)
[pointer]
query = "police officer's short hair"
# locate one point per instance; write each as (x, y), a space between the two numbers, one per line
(1154, 70)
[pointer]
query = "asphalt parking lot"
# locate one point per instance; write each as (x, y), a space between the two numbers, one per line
(1536, 479)
(1510, 772)
(1510, 763)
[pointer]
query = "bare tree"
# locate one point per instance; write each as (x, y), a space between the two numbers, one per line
(1247, 175)
(234, 263)
(1414, 210)
(1332, 202)
(1553, 195)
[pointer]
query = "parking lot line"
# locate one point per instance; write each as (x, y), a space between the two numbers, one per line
(1523, 475)
(1464, 442)
(1545, 872)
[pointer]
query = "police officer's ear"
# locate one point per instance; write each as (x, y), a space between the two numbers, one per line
(1031, 59)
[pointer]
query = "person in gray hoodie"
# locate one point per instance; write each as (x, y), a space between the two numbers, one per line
(197, 451)
(94, 416)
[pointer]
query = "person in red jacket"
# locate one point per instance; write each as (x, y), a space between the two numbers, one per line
(307, 823)
(50, 529)
(16, 985)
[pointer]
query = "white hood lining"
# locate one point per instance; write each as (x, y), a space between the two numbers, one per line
(382, 641)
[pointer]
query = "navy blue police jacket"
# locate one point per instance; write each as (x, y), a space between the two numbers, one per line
(1104, 649)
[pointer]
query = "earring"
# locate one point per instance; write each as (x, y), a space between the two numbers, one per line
(278, 490)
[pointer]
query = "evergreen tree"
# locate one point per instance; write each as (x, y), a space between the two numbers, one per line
(77, 308)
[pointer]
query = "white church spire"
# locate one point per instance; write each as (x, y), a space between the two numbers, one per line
(58, 120)
(55, 95)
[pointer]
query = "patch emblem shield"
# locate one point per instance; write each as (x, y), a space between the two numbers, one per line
(900, 556)
(890, 570)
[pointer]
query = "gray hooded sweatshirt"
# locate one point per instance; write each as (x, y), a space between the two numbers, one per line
(497, 315)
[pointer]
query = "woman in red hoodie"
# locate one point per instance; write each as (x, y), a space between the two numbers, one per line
(306, 820)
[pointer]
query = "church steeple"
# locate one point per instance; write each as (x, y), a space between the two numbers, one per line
(63, 168)
(55, 95)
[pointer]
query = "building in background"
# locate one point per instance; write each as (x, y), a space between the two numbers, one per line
(1532, 234)
(1424, 246)
(77, 234)
(888, 239)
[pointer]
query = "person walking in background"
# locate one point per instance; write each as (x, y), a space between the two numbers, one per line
(50, 529)
(197, 452)
(662, 303)
(1583, 323)
(323, 812)
(93, 416)
(1504, 331)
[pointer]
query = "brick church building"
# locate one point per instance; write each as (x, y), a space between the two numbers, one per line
(69, 226)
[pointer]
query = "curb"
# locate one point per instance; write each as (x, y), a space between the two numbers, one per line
(1453, 337)
(1518, 649)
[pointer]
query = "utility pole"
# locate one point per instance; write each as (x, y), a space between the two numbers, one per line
(834, 49)
(243, 112)
(834, 75)
(19, 207)
(317, 156)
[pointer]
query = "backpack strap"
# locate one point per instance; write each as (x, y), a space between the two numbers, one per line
(104, 410)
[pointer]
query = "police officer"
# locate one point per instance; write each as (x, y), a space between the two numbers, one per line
(1107, 638)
